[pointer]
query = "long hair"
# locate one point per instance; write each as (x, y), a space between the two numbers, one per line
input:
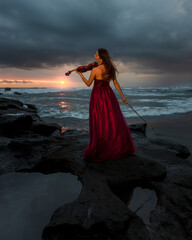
(107, 61)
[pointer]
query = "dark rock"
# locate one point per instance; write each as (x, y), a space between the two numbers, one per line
(140, 127)
(7, 89)
(15, 126)
(99, 212)
(15, 106)
(180, 150)
(17, 119)
(18, 93)
(171, 217)
(31, 106)
(43, 128)
(6, 103)
(98, 205)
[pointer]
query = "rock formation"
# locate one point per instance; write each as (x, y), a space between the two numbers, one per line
(29, 144)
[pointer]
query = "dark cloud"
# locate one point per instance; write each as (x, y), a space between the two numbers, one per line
(46, 33)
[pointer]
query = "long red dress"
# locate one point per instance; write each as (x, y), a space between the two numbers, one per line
(109, 133)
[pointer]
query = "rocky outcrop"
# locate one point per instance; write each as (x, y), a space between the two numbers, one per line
(18, 119)
(7, 89)
(99, 212)
(18, 93)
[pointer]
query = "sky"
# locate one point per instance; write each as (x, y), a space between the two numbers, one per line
(150, 42)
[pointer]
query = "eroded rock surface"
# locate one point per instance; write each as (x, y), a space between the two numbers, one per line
(98, 213)
(18, 119)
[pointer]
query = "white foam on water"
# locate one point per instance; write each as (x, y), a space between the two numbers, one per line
(147, 101)
(13, 114)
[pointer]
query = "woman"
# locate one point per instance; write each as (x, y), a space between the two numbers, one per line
(110, 137)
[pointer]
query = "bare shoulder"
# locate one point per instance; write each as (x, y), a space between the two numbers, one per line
(100, 69)
(97, 69)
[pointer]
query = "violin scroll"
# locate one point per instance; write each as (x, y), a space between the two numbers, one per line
(68, 73)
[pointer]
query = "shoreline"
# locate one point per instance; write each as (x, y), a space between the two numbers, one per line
(174, 127)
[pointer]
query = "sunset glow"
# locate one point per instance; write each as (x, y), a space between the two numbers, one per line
(57, 82)
(48, 59)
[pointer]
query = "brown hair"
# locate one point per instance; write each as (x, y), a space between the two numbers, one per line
(107, 61)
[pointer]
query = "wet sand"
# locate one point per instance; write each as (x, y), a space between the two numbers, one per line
(174, 127)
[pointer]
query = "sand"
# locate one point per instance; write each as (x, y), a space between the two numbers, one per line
(174, 127)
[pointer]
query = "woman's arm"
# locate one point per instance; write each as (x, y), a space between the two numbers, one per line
(92, 76)
(117, 86)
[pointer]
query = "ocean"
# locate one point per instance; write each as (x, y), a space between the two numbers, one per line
(70, 107)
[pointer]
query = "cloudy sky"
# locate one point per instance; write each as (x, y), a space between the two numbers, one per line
(149, 41)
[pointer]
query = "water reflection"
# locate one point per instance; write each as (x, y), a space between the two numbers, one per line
(143, 202)
(63, 129)
(139, 200)
(64, 106)
(28, 200)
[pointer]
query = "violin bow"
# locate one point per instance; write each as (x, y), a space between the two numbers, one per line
(140, 116)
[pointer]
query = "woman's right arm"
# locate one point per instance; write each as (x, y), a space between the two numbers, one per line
(117, 86)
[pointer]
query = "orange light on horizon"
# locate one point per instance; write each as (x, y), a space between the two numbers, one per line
(59, 82)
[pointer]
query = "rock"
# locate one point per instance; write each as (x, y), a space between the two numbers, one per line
(98, 210)
(6, 103)
(43, 128)
(7, 89)
(29, 144)
(32, 107)
(18, 93)
(11, 126)
(180, 150)
(170, 218)
(140, 127)
(15, 106)
(17, 119)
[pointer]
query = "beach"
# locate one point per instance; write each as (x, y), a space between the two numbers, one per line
(174, 127)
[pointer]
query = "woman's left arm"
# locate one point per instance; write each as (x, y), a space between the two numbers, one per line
(91, 78)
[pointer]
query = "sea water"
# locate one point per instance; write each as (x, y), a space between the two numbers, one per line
(70, 107)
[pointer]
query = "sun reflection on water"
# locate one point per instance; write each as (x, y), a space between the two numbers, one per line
(63, 129)
(65, 106)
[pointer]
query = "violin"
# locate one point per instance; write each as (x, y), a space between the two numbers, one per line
(83, 68)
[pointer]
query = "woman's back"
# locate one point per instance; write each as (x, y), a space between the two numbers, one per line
(101, 72)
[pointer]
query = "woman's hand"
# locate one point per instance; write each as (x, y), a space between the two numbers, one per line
(124, 100)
